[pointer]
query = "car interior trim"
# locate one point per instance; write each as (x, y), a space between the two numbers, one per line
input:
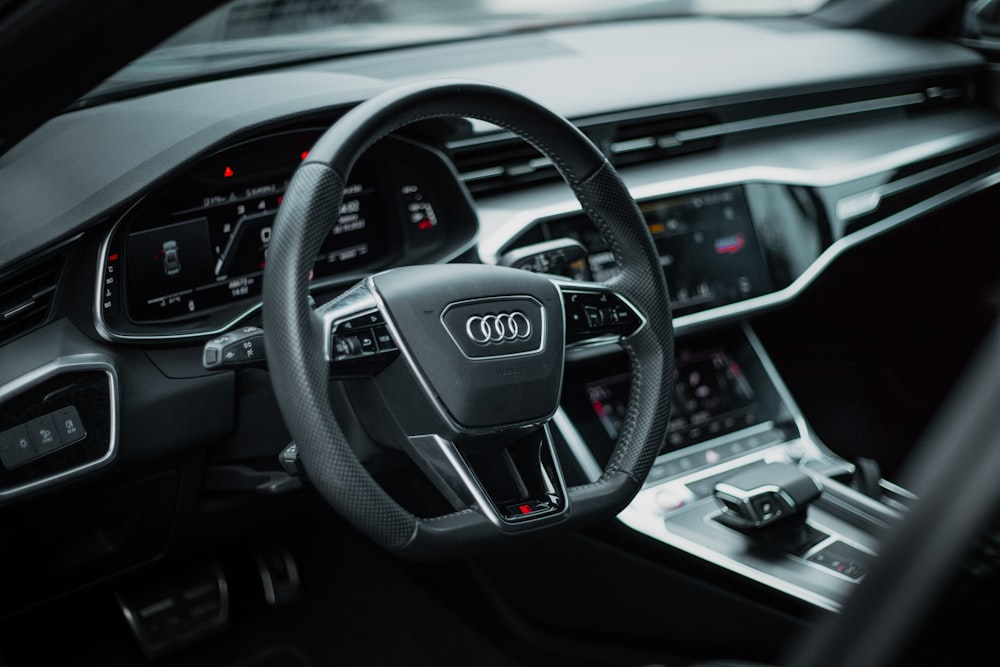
(755, 305)
(738, 170)
(577, 446)
(641, 515)
(58, 366)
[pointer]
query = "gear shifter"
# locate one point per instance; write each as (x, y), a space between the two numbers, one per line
(769, 503)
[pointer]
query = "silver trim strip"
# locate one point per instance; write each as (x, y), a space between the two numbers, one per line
(454, 458)
(819, 113)
(863, 203)
(805, 430)
(467, 477)
(804, 116)
(581, 452)
(66, 364)
(695, 321)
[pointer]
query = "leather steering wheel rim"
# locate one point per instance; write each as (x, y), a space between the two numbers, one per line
(300, 375)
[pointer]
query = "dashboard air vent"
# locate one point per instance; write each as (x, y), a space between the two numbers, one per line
(500, 162)
(648, 139)
(26, 297)
(501, 165)
(489, 167)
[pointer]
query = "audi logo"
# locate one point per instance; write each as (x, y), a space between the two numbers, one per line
(498, 328)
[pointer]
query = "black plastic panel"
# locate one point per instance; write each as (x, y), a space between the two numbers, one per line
(90, 393)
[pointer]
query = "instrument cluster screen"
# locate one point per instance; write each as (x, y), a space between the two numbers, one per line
(216, 253)
(205, 244)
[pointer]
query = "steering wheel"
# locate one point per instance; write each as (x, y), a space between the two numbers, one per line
(461, 365)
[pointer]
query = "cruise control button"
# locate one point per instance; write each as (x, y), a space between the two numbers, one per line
(68, 425)
(16, 447)
(44, 435)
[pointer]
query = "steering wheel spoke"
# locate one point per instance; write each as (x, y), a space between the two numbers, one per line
(513, 479)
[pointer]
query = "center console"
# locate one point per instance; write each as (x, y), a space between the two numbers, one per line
(735, 430)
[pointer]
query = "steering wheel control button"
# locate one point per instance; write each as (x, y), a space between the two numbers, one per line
(367, 340)
(591, 313)
(384, 340)
(361, 322)
(69, 426)
(361, 345)
(16, 447)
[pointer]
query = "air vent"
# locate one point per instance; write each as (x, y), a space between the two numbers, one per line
(26, 297)
(651, 139)
(490, 167)
(501, 165)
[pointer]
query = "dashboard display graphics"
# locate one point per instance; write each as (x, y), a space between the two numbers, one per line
(216, 253)
(708, 248)
(712, 397)
(706, 243)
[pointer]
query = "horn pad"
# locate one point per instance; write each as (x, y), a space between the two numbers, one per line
(486, 342)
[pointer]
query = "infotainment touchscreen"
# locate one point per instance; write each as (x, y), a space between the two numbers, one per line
(706, 241)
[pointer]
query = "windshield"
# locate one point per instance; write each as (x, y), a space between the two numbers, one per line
(251, 34)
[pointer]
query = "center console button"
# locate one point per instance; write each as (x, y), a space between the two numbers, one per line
(44, 435)
(16, 447)
(68, 425)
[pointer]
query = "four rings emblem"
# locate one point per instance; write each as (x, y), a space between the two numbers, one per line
(498, 328)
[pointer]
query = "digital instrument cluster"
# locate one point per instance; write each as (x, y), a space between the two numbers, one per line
(201, 247)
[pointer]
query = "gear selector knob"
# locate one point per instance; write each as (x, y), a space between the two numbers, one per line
(764, 495)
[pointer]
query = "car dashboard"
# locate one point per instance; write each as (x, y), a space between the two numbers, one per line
(140, 228)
